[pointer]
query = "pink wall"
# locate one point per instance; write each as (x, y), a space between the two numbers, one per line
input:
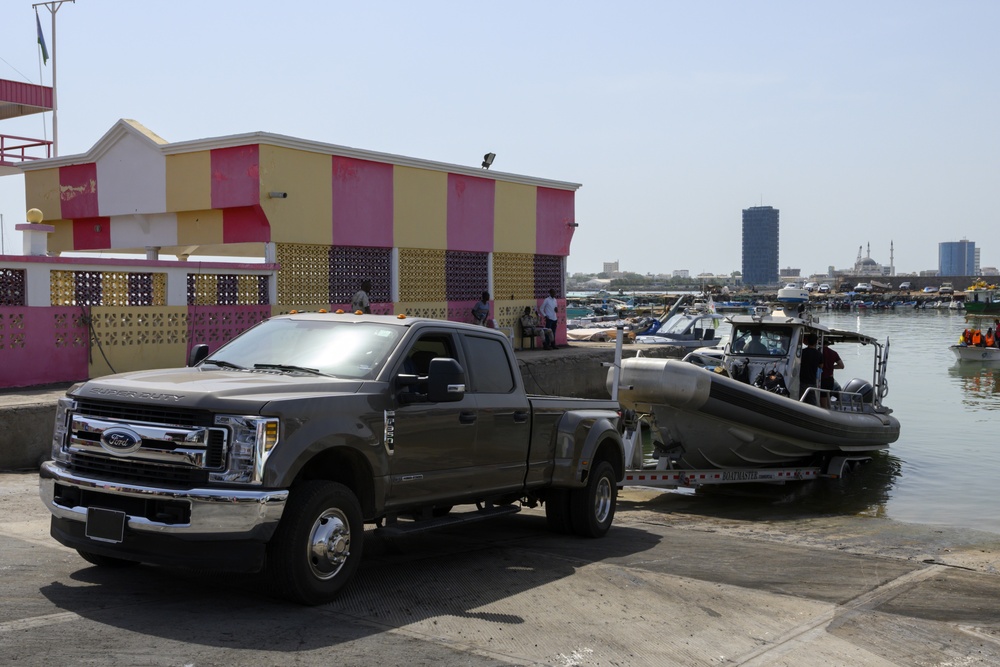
(217, 325)
(50, 352)
(236, 176)
(78, 191)
(362, 203)
(91, 233)
(470, 213)
(554, 211)
(245, 224)
(236, 190)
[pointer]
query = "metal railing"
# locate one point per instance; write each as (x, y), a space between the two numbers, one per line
(15, 149)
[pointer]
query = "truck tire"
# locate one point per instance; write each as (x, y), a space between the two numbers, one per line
(318, 544)
(101, 560)
(592, 508)
(557, 511)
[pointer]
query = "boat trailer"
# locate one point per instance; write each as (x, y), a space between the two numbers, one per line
(663, 475)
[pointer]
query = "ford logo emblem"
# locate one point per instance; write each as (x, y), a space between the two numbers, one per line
(120, 441)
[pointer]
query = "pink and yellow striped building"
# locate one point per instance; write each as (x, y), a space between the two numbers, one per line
(430, 236)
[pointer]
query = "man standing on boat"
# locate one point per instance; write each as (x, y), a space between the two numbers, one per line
(812, 362)
(831, 362)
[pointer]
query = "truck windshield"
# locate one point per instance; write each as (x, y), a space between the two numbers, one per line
(339, 349)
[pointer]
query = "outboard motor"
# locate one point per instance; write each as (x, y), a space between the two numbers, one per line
(862, 388)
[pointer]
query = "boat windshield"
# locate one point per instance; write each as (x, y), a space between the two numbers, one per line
(683, 323)
(761, 340)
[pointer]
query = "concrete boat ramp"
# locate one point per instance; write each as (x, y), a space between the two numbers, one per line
(679, 580)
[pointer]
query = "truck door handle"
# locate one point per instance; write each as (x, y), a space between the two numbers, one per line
(520, 417)
(467, 417)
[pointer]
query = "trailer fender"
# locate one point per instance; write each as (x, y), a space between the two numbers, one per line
(583, 439)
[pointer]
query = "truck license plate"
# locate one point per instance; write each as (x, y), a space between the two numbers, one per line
(105, 525)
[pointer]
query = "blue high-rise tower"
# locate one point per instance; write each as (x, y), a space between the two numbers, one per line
(957, 258)
(760, 245)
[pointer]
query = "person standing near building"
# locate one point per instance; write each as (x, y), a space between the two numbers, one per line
(812, 362)
(481, 310)
(550, 311)
(831, 362)
(361, 301)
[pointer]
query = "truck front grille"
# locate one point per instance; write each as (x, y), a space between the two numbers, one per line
(110, 467)
(178, 447)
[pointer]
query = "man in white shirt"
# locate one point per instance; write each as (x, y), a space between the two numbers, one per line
(360, 300)
(550, 313)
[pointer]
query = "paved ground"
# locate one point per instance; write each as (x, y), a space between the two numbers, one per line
(680, 580)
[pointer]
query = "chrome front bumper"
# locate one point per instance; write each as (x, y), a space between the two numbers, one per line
(215, 513)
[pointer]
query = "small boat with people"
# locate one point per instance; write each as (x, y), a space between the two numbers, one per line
(976, 345)
(748, 406)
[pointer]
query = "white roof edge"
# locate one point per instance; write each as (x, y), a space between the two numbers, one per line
(283, 141)
(122, 127)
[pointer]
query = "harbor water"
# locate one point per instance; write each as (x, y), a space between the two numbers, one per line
(945, 467)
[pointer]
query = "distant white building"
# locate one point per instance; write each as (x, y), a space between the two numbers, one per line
(611, 268)
(681, 273)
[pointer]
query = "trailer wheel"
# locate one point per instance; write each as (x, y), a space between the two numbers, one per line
(593, 506)
(318, 544)
(557, 511)
(100, 560)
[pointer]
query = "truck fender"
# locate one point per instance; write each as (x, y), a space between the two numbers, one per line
(328, 449)
(583, 439)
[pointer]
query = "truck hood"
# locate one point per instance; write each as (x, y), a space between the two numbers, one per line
(210, 389)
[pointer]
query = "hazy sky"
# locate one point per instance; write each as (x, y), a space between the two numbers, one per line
(863, 122)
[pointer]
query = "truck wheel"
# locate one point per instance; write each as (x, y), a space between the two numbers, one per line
(318, 544)
(593, 507)
(101, 560)
(557, 513)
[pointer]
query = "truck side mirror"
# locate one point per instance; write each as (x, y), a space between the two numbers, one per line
(445, 381)
(198, 354)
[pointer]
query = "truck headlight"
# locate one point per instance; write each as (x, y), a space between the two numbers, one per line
(60, 430)
(253, 439)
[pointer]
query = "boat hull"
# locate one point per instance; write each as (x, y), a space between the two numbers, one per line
(714, 421)
(974, 353)
(981, 308)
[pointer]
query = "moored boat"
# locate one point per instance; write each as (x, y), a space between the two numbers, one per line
(744, 410)
(982, 299)
(688, 329)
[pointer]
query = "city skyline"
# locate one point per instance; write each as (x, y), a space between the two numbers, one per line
(847, 268)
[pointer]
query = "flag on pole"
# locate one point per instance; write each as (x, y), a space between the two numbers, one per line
(41, 40)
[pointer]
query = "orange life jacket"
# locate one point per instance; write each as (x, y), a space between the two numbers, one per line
(977, 337)
(990, 340)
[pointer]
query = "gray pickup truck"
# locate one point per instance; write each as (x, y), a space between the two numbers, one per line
(273, 452)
